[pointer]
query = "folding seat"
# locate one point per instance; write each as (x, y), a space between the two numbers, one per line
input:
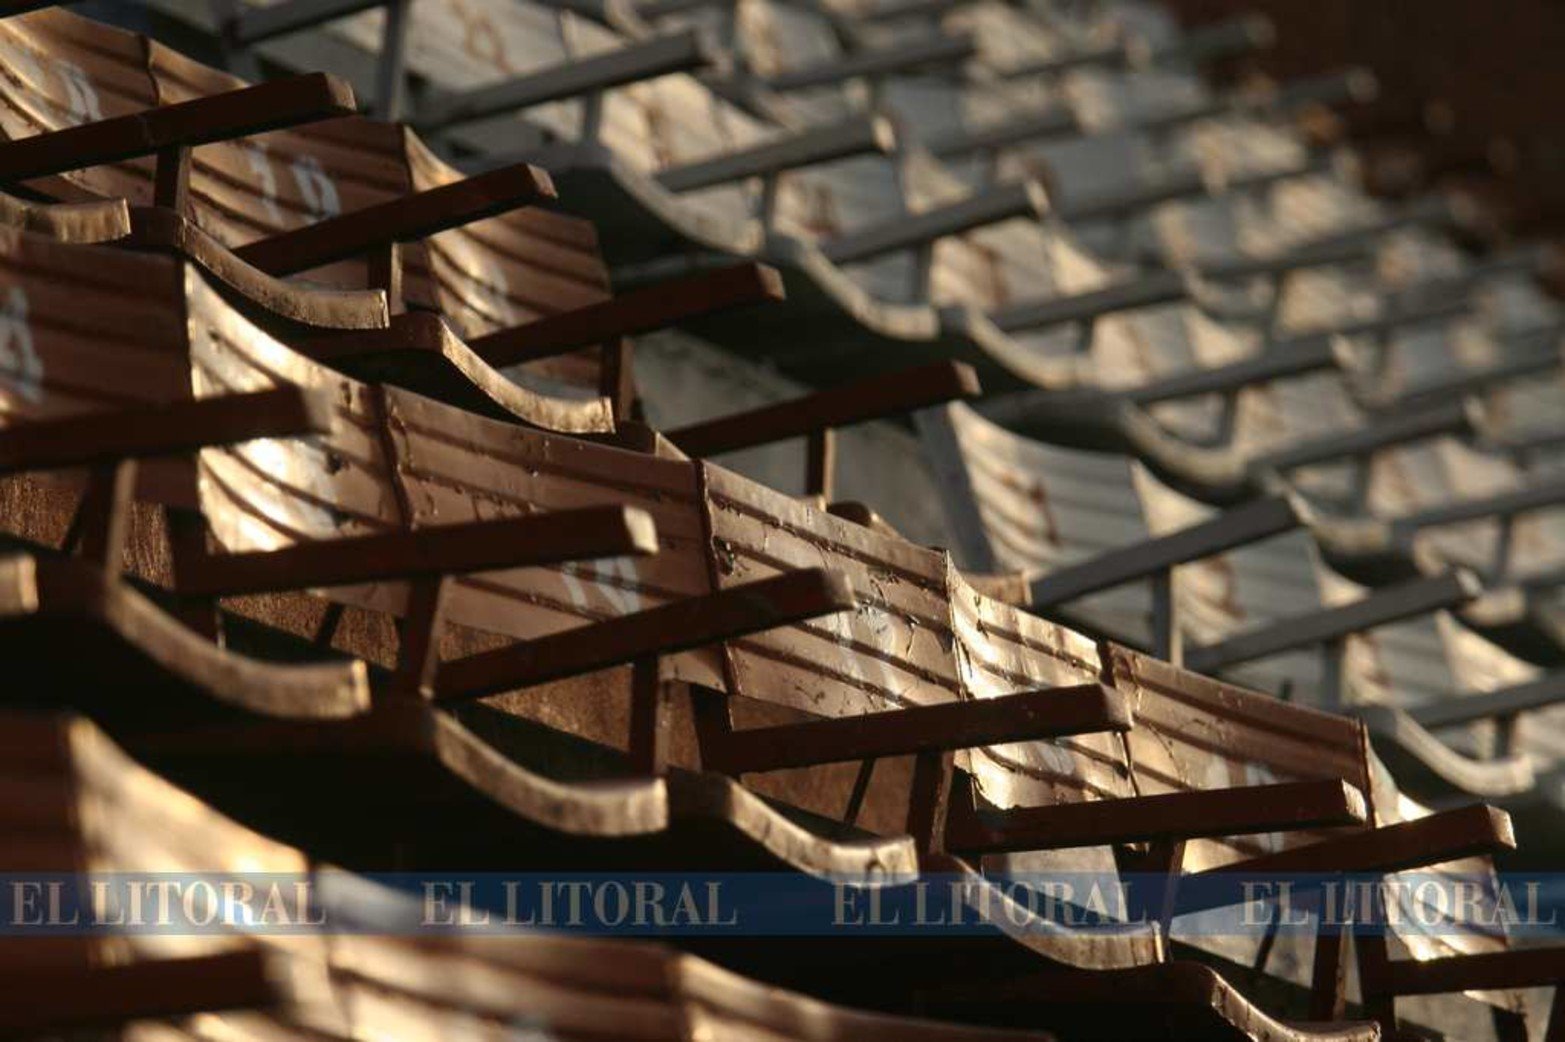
(65, 406)
(631, 77)
(1445, 502)
(1174, 757)
(1075, 779)
(1295, 426)
(78, 97)
(926, 98)
(935, 641)
(1312, 352)
(1109, 160)
(360, 971)
(801, 36)
(798, 296)
(1513, 321)
(980, 78)
(1319, 206)
(122, 644)
(103, 388)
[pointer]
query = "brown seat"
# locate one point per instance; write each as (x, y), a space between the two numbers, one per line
(75, 78)
(1218, 782)
(696, 612)
(306, 984)
(472, 288)
(1191, 729)
(322, 513)
(394, 461)
(320, 197)
(1092, 529)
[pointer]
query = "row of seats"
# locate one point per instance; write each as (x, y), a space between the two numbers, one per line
(335, 505)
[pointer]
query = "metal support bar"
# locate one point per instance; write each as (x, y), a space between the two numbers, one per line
(1283, 359)
(667, 629)
(137, 432)
(1157, 288)
(216, 117)
(581, 534)
(1235, 811)
(1548, 690)
(1508, 504)
(1027, 716)
(879, 396)
(936, 50)
(1241, 526)
(873, 134)
(1308, 255)
(1457, 418)
(1380, 608)
(989, 206)
(659, 56)
(1054, 122)
(253, 25)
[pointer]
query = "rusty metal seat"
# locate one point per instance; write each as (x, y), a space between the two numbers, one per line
(90, 393)
(113, 644)
(1116, 983)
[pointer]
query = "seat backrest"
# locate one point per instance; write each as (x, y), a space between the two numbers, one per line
(1194, 733)
(488, 275)
(454, 467)
(63, 71)
(1537, 537)
(1021, 505)
(1017, 504)
(1234, 591)
(920, 636)
(673, 120)
(94, 810)
(86, 328)
(158, 332)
